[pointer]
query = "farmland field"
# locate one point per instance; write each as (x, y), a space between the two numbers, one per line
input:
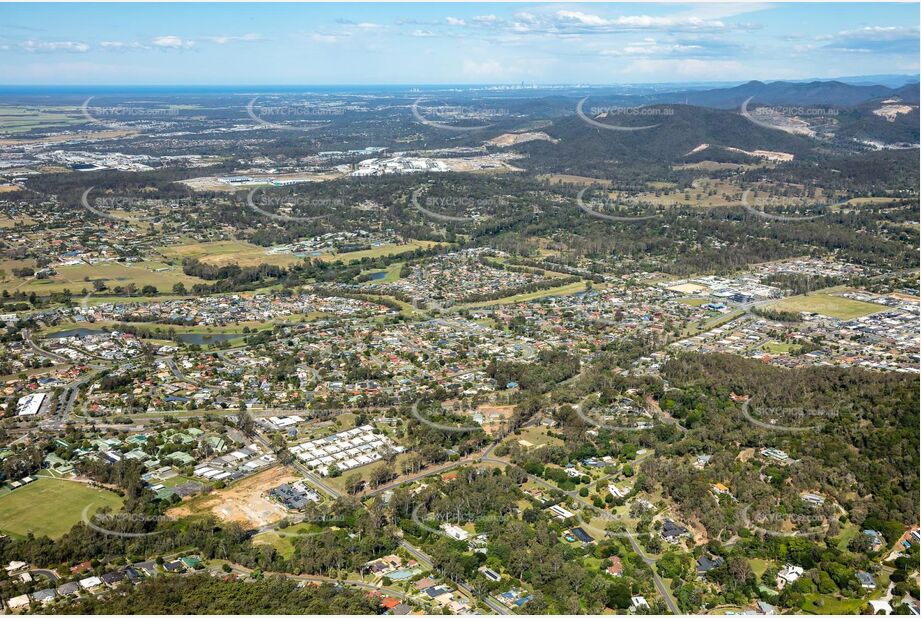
(375, 252)
(563, 290)
(224, 252)
(77, 277)
(51, 507)
(826, 304)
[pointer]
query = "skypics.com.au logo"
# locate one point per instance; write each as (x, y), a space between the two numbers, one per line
(101, 206)
(454, 113)
(292, 203)
(283, 117)
(116, 116)
(756, 206)
(591, 209)
(786, 118)
(787, 419)
(429, 203)
(624, 111)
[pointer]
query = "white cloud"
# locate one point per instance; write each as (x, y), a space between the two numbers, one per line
(582, 18)
(485, 69)
(422, 33)
(690, 69)
(244, 38)
(55, 46)
(454, 21)
(639, 21)
(486, 19)
(324, 38)
(121, 45)
(650, 47)
(170, 41)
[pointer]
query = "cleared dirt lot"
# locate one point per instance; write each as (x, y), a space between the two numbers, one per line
(244, 502)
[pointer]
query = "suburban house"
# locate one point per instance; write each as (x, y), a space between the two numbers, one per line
(789, 574)
(672, 532)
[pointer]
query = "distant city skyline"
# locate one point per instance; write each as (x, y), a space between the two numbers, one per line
(483, 43)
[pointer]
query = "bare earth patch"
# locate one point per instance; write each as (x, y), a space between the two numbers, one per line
(244, 502)
(512, 139)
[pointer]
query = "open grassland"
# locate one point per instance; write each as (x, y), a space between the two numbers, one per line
(826, 604)
(283, 539)
(776, 347)
(81, 276)
(66, 136)
(713, 193)
(534, 437)
(223, 252)
(563, 290)
(51, 507)
(569, 179)
(828, 305)
(20, 119)
(376, 252)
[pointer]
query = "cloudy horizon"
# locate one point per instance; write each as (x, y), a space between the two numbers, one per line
(484, 43)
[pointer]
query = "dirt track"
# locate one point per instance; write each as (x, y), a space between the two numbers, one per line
(244, 502)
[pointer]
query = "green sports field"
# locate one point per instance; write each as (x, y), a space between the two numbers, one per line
(827, 304)
(51, 507)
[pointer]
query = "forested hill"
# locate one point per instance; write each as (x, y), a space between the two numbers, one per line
(789, 93)
(681, 129)
(204, 594)
(864, 449)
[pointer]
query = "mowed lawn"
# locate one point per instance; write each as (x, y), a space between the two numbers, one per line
(78, 277)
(51, 507)
(380, 251)
(223, 252)
(827, 304)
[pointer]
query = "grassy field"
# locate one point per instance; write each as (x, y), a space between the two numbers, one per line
(759, 566)
(775, 347)
(77, 277)
(392, 273)
(827, 604)
(223, 252)
(563, 290)
(17, 119)
(283, 539)
(392, 249)
(827, 304)
(537, 436)
(51, 507)
(693, 302)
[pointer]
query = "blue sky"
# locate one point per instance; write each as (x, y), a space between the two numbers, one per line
(263, 44)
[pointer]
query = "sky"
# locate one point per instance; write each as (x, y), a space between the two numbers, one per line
(448, 43)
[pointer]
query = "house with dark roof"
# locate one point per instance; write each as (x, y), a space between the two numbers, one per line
(44, 596)
(672, 532)
(68, 589)
(133, 574)
(582, 535)
(867, 581)
(146, 569)
(705, 563)
(766, 608)
(112, 579)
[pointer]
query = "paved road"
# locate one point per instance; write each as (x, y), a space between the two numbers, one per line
(27, 337)
(51, 575)
(660, 585)
(414, 551)
(426, 561)
(394, 592)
